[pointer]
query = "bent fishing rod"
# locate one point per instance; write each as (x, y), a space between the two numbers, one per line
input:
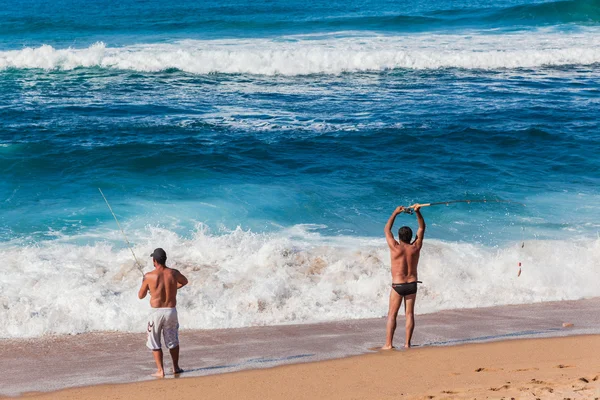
(410, 210)
(137, 263)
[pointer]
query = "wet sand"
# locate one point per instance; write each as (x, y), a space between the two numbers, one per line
(551, 368)
(55, 363)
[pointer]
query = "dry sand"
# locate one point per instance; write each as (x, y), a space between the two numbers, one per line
(548, 368)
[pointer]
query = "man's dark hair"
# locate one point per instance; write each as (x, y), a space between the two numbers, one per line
(159, 255)
(405, 234)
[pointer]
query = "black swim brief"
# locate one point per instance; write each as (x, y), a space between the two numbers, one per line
(404, 289)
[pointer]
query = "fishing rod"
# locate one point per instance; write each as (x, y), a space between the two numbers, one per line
(139, 266)
(410, 210)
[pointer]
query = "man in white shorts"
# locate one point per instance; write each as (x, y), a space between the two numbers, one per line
(163, 283)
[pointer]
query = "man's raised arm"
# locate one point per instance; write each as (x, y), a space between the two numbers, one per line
(421, 232)
(389, 236)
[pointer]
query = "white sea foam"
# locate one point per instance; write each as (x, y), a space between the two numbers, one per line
(245, 279)
(305, 55)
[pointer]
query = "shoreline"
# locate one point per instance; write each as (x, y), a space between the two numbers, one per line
(54, 363)
(548, 368)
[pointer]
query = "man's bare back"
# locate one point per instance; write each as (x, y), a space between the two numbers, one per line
(404, 261)
(163, 283)
(405, 258)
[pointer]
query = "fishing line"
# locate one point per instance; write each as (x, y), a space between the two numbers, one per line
(410, 210)
(123, 232)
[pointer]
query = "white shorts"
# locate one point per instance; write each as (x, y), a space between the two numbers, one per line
(163, 320)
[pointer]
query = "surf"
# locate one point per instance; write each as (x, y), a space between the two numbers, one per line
(332, 56)
(241, 279)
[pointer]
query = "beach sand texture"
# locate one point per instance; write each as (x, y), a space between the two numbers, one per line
(448, 354)
(550, 368)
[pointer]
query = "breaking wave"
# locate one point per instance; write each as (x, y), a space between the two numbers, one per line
(304, 56)
(242, 278)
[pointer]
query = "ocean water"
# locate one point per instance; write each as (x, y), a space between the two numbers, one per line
(264, 145)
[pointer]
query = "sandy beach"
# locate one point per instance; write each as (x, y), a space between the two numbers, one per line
(473, 353)
(551, 368)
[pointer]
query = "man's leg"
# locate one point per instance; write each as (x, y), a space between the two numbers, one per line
(153, 343)
(158, 358)
(409, 308)
(395, 302)
(175, 356)
(171, 335)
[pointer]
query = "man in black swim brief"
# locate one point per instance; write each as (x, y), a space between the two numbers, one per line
(404, 289)
(405, 258)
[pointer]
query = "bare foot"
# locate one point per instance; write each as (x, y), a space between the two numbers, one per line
(407, 346)
(177, 371)
(159, 374)
(387, 347)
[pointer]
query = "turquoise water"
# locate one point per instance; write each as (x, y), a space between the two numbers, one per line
(213, 128)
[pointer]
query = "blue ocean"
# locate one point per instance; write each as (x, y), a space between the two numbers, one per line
(265, 143)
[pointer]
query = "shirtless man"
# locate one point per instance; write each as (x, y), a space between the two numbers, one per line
(162, 283)
(405, 257)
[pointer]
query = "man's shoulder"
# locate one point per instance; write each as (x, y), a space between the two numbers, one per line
(416, 246)
(150, 275)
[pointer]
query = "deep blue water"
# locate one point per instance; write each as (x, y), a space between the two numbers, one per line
(273, 113)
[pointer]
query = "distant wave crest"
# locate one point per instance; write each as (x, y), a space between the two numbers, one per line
(302, 56)
(564, 11)
(547, 13)
(584, 12)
